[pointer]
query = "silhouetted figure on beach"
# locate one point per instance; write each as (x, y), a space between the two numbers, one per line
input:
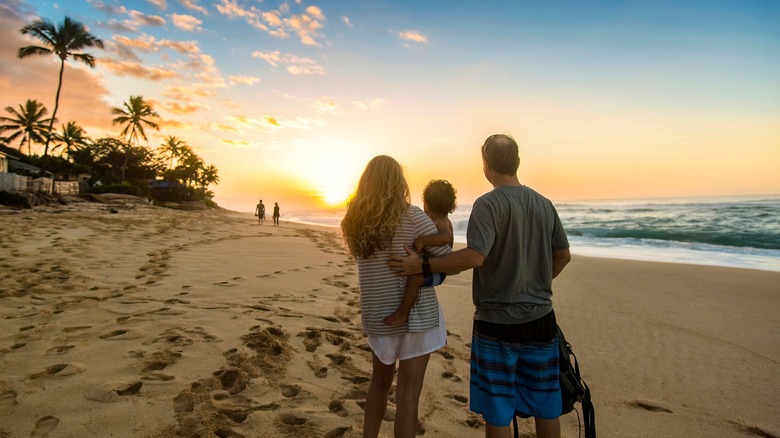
(260, 212)
(276, 214)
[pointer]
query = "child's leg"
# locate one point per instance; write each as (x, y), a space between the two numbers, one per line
(412, 291)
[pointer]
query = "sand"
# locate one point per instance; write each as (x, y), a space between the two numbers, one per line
(150, 322)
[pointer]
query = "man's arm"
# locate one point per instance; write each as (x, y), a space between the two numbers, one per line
(452, 263)
(560, 259)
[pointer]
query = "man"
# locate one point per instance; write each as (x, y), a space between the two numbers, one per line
(516, 245)
(260, 212)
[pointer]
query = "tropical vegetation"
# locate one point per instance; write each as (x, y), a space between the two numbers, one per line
(123, 164)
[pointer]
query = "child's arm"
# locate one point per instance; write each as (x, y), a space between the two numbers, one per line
(442, 237)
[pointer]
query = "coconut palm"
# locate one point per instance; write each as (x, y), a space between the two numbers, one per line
(136, 114)
(28, 123)
(172, 148)
(71, 138)
(63, 40)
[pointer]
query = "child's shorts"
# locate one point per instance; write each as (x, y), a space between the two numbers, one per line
(409, 345)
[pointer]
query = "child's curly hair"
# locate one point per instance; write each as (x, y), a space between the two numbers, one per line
(440, 197)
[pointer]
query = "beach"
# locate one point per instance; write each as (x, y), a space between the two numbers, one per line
(137, 321)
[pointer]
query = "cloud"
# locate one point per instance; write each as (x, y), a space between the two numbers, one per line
(241, 79)
(172, 123)
(136, 69)
(231, 9)
(109, 9)
(413, 36)
(225, 128)
(186, 22)
(241, 144)
(307, 25)
(374, 103)
(148, 43)
(279, 23)
(162, 4)
(118, 26)
(267, 124)
(148, 20)
(295, 65)
(178, 108)
(193, 5)
(325, 105)
(230, 104)
(346, 21)
(197, 89)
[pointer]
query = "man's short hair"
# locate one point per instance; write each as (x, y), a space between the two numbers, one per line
(501, 154)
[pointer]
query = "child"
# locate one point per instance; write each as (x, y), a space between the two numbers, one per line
(438, 203)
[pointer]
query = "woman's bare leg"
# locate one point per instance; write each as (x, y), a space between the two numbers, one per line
(376, 400)
(411, 373)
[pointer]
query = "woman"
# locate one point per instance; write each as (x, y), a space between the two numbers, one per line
(378, 222)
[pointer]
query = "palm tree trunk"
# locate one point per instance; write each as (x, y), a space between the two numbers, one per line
(56, 105)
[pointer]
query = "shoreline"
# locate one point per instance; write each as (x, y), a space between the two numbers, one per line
(152, 322)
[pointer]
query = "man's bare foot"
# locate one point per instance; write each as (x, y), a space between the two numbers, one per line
(396, 318)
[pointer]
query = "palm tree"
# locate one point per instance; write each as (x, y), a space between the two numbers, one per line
(207, 175)
(72, 138)
(136, 114)
(172, 148)
(63, 41)
(28, 123)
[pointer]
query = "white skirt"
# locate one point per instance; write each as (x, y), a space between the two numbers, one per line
(409, 345)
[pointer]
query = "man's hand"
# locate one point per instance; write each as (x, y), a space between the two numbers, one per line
(406, 265)
(418, 244)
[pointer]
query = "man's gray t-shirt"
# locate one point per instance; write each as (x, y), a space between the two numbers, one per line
(517, 230)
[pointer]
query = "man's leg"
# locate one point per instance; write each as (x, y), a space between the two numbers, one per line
(376, 400)
(411, 373)
(548, 428)
(497, 432)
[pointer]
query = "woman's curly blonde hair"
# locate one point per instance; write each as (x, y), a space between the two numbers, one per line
(375, 211)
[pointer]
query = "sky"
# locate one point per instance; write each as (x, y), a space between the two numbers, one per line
(291, 99)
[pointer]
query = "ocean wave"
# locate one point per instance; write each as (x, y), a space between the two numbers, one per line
(733, 239)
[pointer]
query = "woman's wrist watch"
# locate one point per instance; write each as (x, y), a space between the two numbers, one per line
(426, 264)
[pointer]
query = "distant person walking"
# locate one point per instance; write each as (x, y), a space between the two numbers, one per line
(260, 212)
(276, 214)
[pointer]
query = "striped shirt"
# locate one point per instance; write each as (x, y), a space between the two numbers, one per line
(381, 289)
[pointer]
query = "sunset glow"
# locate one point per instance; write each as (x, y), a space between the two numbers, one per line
(290, 99)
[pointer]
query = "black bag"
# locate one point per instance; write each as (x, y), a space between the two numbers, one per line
(573, 389)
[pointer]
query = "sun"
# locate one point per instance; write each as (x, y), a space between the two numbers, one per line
(335, 196)
(333, 171)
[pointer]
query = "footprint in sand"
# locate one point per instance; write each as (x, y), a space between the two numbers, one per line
(60, 370)
(56, 351)
(7, 401)
(338, 432)
(450, 376)
(122, 334)
(649, 407)
(44, 425)
(76, 328)
(290, 391)
(110, 392)
(337, 407)
(292, 420)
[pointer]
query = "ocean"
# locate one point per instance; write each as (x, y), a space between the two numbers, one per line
(741, 232)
